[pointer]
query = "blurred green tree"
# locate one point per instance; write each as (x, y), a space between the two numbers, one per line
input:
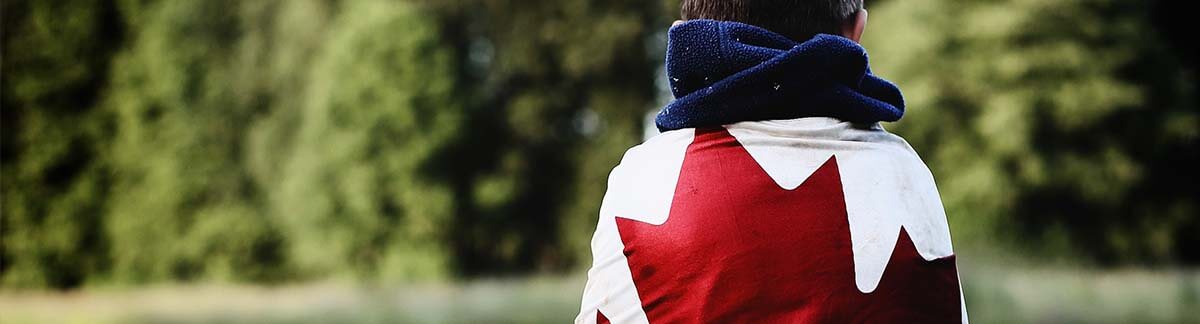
(558, 92)
(1067, 126)
(229, 168)
(56, 58)
(248, 141)
(181, 206)
(380, 103)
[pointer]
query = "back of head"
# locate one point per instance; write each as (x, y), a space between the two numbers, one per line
(796, 19)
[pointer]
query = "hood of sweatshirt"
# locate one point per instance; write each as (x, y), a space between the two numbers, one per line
(724, 72)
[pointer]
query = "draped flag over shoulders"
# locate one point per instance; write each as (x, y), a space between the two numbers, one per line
(775, 205)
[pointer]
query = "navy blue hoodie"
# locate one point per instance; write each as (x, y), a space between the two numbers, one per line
(725, 72)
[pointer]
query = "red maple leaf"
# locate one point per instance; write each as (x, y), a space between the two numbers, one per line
(738, 248)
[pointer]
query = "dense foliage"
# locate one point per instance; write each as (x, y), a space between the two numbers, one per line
(278, 140)
(1064, 126)
(275, 140)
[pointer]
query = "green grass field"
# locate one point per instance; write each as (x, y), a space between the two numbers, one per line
(994, 295)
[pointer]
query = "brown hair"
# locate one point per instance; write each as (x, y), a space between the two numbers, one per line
(796, 19)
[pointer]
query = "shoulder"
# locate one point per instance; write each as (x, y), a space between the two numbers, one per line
(664, 145)
(642, 185)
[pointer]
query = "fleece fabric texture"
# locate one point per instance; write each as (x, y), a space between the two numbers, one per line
(724, 72)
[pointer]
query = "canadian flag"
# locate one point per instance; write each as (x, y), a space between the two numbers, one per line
(809, 220)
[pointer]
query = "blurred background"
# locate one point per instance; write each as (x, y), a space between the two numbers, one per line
(313, 161)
